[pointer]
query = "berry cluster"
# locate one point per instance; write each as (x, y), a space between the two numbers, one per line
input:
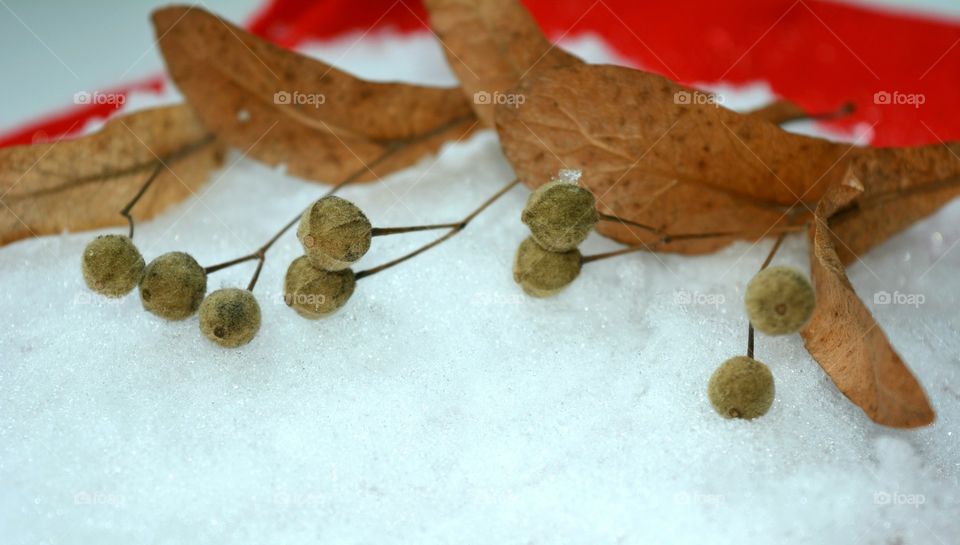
(172, 286)
(779, 301)
(560, 215)
(334, 234)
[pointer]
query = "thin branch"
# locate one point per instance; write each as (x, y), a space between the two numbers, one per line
(617, 219)
(161, 163)
(382, 231)
(766, 262)
(455, 228)
(668, 238)
(391, 149)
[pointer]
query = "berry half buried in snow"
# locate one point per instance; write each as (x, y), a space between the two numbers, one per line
(741, 387)
(334, 233)
(173, 285)
(542, 273)
(112, 265)
(560, 215)
(315, 293)
(230, 317)
(779, 300)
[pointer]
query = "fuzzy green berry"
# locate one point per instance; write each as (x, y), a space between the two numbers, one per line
(334, 233)
(560, 215)
(112, 265)
(542, 273)
(315, 293)
(779, 300)
(230, 317)
(741, 387)
(173, 285)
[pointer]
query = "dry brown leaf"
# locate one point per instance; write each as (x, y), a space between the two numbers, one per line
(491, 45)
(83, 183)
(845, 339)
(902, 187)
(232, 77)
(664, 155)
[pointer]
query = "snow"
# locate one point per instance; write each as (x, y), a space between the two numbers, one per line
(441, 405)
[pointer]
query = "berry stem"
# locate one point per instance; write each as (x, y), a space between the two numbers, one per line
(766, 262)
(454, 229)
(160, 164)
(381, 231)
(261, 253)
(667, 238)
(393, 148)
(618, 219)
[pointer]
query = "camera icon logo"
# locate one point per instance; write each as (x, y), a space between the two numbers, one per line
(882, 498)
(882, 97)
(82, 97)
(482, 97)
(281, 97)
(882, 298)
(683, 97)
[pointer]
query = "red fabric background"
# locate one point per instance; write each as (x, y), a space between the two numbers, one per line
(815, 53)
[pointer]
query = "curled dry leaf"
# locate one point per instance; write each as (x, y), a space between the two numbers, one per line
(82, 183)
(902, 186)
(491, 45)
(845, 339)
(282, 107)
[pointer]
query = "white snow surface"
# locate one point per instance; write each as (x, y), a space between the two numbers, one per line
(442, 405)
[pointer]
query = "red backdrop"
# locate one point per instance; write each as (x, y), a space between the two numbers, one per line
(815, 53)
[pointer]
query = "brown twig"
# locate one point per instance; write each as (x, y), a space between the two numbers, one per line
(161, 163)
(393, 148)
(454, 229)
(668, 238)
(261, 253)
(766, 262)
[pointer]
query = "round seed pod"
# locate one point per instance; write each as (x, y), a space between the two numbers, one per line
(315, 293)
(542, 273)
(112, 265)
(741, 387)
(230, 317)
(779, 300)
(334, 233)
(173, 285)
(560, 215)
